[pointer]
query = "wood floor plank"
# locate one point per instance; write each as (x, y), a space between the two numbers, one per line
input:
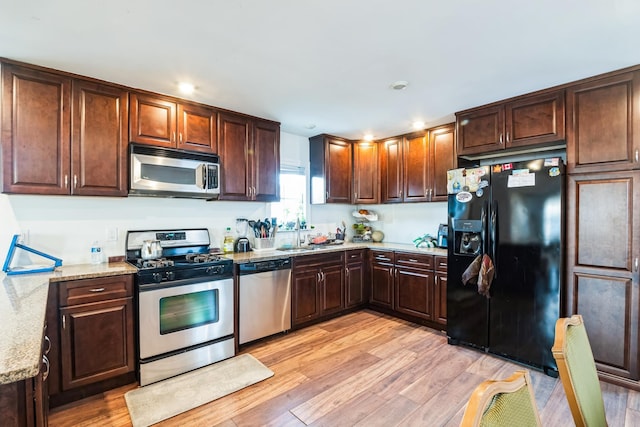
(364, 368)
(330, 399)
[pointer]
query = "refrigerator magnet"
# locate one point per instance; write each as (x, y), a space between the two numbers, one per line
(464, 197)
(554, 171)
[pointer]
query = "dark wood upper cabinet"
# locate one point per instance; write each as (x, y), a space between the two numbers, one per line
(330, 169)
(604, 124)
(266, 161)
(366, 187)
(416, 167)
(166, 122)
(153, 120)
(63, 135)
(413, 168)
(250, 158)
(99, 139)
(197, 128)
(391, 175)
(36, 120)
(529, 120)
(442, 147)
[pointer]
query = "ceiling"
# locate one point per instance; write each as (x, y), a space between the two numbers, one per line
(329, 63)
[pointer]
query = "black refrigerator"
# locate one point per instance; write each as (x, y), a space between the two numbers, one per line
(512, 213)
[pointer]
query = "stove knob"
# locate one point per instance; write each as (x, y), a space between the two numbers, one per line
(170, 275)
(157, 277)
(212, 270)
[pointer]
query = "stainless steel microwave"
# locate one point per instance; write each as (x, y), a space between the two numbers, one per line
(166, 172)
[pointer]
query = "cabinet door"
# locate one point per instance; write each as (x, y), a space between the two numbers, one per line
(414, 292)
(332, 289)
(99, 139)
(365, 173)
(304, 295)
(35, 131)
(234, 145)
(603, 124)
(602, 234)
(535, 120)
(443, 157)
(354, 284)
(197, 128)
(391, 177)
(440, 298)
(382, 278)
(96, 342)
(152, 120)
(337, 165)
(416, 168)
(480, 131)
(266, 162)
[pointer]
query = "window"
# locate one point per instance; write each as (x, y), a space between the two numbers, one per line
(293, 197)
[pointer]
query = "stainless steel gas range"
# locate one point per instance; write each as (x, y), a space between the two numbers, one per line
(185, 303)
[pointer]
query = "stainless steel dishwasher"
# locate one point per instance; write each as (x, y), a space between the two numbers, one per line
(265, 299)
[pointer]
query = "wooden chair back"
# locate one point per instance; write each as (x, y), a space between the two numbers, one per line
(508, 403)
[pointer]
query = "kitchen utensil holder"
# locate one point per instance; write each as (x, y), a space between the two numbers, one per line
(262, 244)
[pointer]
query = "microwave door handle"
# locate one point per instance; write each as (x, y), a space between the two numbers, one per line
(201, 176)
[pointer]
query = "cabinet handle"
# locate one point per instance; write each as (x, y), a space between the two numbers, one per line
(501, 139)
(355, 195)
(346, 271)
(180, 137)
(48, 341)
(64, 321)
(327, 195)
(66, 180)
(636, 156)
(174, 136)
(322, 274)
(413, 260)
(45, 375)
(391, 272)
(75, 181)
(507, 137)
(96, 290)
(318, 277)
(636, 265)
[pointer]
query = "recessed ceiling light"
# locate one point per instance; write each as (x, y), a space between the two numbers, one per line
(368, 137)
(418, 125)
(399, 85)
(186, 88)
(310, 126)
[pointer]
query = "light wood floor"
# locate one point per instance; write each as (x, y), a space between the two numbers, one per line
(363, 369)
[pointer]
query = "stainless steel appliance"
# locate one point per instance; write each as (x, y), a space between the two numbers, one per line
(166, 172)
(512, 214)
(185, 303)
(265, 299)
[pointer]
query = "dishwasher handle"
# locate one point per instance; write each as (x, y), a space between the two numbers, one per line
(262, 266)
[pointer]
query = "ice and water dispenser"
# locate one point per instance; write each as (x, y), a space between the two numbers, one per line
(468, 237)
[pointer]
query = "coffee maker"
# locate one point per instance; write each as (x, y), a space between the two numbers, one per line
(242, 243)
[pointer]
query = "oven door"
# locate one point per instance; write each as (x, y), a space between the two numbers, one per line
(176, 317)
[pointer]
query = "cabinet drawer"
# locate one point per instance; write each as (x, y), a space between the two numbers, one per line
(414, 260)
(440, 263)
(93, 290)
(382, 257)
(315, 260)
(354, 256)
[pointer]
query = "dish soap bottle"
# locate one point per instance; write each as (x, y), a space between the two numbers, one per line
(227, 243)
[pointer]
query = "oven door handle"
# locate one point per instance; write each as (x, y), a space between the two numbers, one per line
(171, 284)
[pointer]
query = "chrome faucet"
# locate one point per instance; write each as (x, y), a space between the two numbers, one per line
(297, 232)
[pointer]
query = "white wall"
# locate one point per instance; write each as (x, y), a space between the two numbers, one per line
(65, 226)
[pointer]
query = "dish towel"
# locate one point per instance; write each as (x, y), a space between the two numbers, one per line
(470, 275)
(485, 277)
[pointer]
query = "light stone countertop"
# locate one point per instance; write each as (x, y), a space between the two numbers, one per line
(23, 300)
(23, 306)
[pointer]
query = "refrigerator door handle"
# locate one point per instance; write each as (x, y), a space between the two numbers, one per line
(494, 237)
(483, 231)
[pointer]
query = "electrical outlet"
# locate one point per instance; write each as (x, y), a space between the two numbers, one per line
(24, 237)
(112, 234)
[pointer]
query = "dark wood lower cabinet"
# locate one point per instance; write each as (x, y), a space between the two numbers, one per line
(318, 287)
(410, 285)
(90, 323)
(355, 278)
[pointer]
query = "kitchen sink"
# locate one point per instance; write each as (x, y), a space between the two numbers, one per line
(306, 248)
